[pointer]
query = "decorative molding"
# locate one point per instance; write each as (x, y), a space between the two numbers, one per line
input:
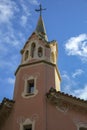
(22, 119)
(27, 121)
(80, 124)
(35, 63)
(63, 107)
(34, 117)
(28, 48)
(65, 102)
(27, 77)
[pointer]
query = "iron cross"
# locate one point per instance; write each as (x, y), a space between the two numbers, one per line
(40, 10)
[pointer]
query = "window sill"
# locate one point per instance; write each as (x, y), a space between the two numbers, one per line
(29, 95)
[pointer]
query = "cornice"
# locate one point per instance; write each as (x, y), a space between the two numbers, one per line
(66, 102)
(38, 62)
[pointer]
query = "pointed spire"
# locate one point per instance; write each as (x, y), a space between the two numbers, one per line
(40, 28)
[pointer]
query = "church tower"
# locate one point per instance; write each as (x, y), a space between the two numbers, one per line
(38, 103)
(36, 74)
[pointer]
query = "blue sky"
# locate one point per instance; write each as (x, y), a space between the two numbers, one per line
(65, 21)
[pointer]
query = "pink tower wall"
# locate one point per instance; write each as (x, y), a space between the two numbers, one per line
(59, 120)
(36, 105)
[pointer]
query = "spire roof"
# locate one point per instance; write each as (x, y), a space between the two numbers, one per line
(40, 28)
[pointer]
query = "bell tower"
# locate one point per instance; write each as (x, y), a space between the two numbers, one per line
(36, 74)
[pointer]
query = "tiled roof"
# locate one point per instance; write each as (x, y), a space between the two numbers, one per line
(60, 98)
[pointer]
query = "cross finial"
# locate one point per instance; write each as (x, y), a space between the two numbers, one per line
(40, 10)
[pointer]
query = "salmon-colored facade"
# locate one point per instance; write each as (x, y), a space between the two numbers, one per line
(38, 103)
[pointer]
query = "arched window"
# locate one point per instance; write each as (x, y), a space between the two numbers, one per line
(32, 49)
(40, 51)
(26, 55)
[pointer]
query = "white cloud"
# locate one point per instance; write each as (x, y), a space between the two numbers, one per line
(77, 46)
(9, 63)
(25, 7)
(68, 82)
(70, 86)
(78, 72)
(26, 11)
(3, 49)
(7, 9)
(11, 39)
(23, 20)
(81, 92)
(35, 2)
(11, 80)
(13, 15)
(8, 35)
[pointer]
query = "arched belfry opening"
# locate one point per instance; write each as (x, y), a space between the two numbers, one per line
(33, 46)
(26, 55)
(40, 52)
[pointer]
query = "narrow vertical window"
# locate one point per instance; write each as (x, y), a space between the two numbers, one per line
(32, 50)
(27, 127)
(40, 52)
(26, 55)
(30, 86)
